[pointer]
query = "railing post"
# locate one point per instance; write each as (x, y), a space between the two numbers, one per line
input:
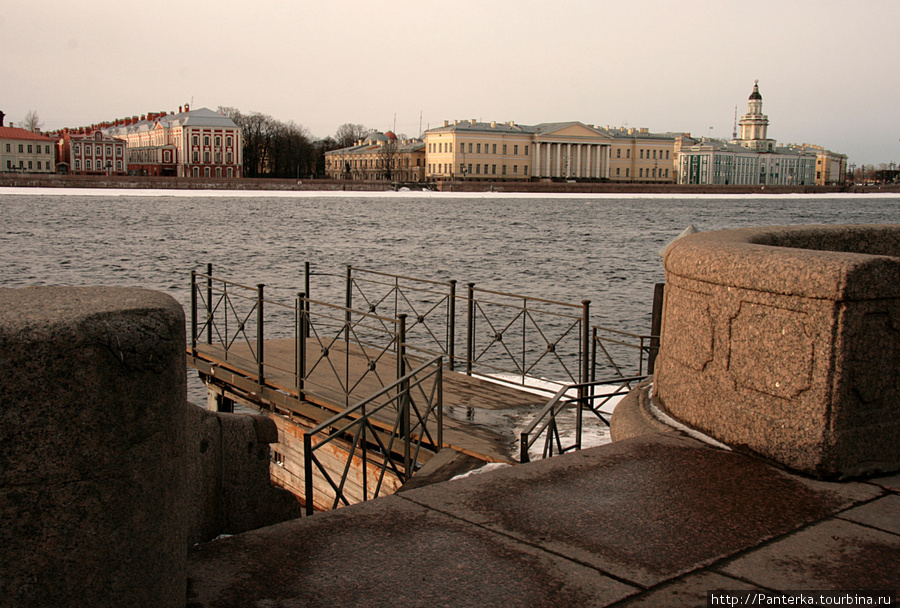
(655, 325)
(585, 368)
(308, 472)
(193, 313)
(470, 328)
(209, 308)
(260, 338)
(403, 394)
(300, 354)
(306, 290)
(348, 304)
(451, 325)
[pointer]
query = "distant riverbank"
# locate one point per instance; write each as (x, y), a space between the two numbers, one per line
(181, 183)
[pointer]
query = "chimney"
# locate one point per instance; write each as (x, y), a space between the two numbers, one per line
(446, 123)
(472, 121)
(493, 124)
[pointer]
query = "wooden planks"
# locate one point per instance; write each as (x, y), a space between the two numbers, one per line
(476, 411)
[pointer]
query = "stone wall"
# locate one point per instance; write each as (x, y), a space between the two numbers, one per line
(785, 341)
(106, 472)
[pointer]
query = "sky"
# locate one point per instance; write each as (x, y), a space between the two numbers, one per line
(827, 69)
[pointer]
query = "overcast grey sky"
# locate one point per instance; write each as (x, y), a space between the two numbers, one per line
(827, 69)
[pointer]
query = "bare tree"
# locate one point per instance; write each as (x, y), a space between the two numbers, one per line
(348, 134)
(389, 156)
(32, 122)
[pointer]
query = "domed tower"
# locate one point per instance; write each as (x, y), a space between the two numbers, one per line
(754, 124)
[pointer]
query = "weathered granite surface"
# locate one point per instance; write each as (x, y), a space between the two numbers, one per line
(785, 341)
(91, 440)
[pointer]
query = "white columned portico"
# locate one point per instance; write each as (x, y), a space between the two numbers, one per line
(537, 160)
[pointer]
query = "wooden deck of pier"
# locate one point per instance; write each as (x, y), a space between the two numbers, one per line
(476, 411)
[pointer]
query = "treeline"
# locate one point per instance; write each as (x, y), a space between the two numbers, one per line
(273, 148)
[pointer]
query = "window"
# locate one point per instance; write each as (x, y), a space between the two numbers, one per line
(228, 158)
(39, 166)
(206, 142)
(29, 150)
(477, 148)
(195, 140)
(504, 149)
(118, 165)
(618, 152)
(494, 169)
(642, 154)
(627, 172)
(109, 150)
(504, 170)
(87, 164)
(228, 143)
(515, 149)
(195, 156)
(47, 149)
(218, 145)
(21, 148)
(526, 150)
(515, 169)
(627, 155)
(8, 149)
(477, 169)
(525, 170)
(494, 149)
(618, 172)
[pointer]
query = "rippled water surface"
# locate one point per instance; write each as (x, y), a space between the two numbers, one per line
(566, 249)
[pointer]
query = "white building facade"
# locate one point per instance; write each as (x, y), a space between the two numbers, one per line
(750, 160)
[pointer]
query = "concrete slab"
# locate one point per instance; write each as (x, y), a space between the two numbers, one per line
(883, 513)
(690, 590)
(646, 509)
(834, 555)
(388, 552)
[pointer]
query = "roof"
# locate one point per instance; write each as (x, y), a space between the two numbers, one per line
(488, 127)
(17, 133)
(204, 117)
(403, 147)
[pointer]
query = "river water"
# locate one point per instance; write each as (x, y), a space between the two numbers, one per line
(602, 248)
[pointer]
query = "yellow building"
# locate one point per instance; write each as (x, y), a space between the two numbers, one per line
(637, 155)
(381, 156)
(570, 151)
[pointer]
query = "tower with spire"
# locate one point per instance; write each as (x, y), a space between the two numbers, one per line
(754, 125)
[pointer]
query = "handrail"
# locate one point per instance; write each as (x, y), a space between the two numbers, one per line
(358, 426)
(546, 419)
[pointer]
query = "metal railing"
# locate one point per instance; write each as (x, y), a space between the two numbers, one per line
(236, 320)
(526, 337)
(334, 336)
(622, 353)
(546, 424)
(388, 442)
(430, 307)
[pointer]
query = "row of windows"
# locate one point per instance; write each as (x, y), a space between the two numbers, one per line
(229, 157)
(475, 148)
(32, 148)
(229, 140)
(476, 169)
(98, 166)
(88, 150)
(40, 165)
(645, 154)
(229, 172)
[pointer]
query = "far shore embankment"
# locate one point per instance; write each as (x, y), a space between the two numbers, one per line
(329, 185)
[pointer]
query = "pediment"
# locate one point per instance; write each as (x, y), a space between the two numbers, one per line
(570, 130)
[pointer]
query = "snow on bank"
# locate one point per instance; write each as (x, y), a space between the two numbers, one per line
(418, 194)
